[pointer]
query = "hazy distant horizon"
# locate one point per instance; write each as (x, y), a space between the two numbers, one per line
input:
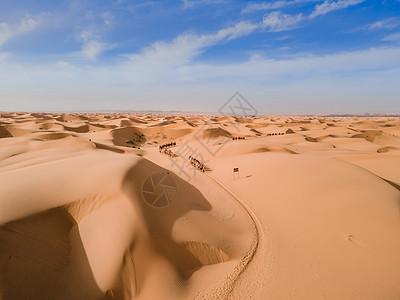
(261, 114)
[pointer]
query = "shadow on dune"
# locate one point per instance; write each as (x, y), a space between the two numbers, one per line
(160, 221)
(122, 135)
(42, 257)
(387, 149)
(79, 129)
(392, 183)
(4, 132)
(186, 257)
(368, 135)
(109, 148)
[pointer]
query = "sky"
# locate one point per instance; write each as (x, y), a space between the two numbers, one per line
(283, 56)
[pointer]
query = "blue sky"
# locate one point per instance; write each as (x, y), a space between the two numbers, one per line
(284, 56)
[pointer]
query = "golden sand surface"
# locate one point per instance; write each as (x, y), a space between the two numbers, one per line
(90, 208)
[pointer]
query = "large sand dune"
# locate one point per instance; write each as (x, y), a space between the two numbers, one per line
(90, 209)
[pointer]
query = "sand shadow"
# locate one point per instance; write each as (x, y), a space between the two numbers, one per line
(36, 263)
(188, 256)
(392, 183)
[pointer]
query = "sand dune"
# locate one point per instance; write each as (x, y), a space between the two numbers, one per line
(122, 135)
(78, 129)
(86, 214)
(216, 133)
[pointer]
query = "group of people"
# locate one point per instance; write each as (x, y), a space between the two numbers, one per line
(279, 133)
(196, 163)
(238, 138)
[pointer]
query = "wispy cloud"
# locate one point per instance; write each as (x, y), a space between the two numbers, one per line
(5, 33)
(277, 21)
(92, 46)
(328, 6)
(29, 23)
(279, 4)
(26, 24)
(236, 31)
(186, 46)
(392, 37)
(389, 23)
(192, 3)
(108, 18)
(88, 34)
(91, 49)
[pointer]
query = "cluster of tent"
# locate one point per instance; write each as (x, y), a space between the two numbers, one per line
(238, 138)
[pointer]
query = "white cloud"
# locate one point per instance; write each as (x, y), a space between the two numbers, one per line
(328, 6)
(292, 21)
(178, 51)
(108, 18)
(186, 46)
(92, 49)
(277, 21)
(29, 23)
(392, 37)
(255, 6)
(92, 46)
(86, 35)
(389, 23)
(192, 3)
(8, 31)
(236, 31)
(5, 33)
(306, 83)
(282, 38)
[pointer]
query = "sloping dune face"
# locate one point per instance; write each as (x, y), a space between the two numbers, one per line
(127, 135)
(287, 208)
(4, 132)
(98, 238)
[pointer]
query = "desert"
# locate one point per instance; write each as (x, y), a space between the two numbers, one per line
(200, 150)
(92, 207)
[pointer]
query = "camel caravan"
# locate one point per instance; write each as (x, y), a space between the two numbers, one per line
(165, 149)
(197, 164)
(279, 133)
